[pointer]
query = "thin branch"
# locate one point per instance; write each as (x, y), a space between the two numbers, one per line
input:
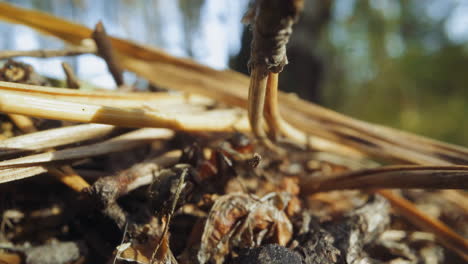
(24, 123)
(105, 50)
(72, 81)
(69, 51)
(402, 177)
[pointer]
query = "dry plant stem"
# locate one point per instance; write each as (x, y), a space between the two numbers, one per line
(343, 126)
(257, 92)
(120, 143)
(272, 115)
(69, 177)
(105, 50)
(226, 86)
(65, 174)
(403, 177)
(108, 98)
(8, 175)
(232, 97)
(53, 138)
(444, 234)
(72, 81)
(70, 51)
(216, 120)
(24, 123)
(138, 175)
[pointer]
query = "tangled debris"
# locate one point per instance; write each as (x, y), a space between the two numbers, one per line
(194, 191)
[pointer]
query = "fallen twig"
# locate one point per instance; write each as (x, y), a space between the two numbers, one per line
(69, 51)
(402, 177)
(72, 81)
(105, 50)
(24, 123)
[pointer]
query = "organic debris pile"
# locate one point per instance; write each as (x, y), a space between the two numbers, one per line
(177, 177)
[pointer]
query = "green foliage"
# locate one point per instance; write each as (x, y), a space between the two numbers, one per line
(392, 64)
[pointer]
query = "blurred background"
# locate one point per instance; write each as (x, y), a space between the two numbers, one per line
(394, 62)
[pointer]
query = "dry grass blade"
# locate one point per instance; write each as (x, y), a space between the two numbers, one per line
(24, 123)
(444, 234)
(8, 175)
(216, 120)
(115, 99)
(69, 177)
(120, 143)
(403, 177)
(53, 138)
(65, 174)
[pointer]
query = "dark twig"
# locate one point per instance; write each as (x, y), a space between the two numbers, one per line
(104, 49)
(404, 177)
(72, 81)
(108, 189)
